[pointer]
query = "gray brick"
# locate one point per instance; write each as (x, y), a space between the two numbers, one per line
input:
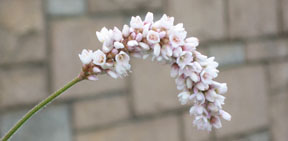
(263, 136)
(246, 100)
(51, 124)
(22, 86)
(279, 113)
(92, 113)
(278, 75)
(160, 129)
(66, 7)
(153, 88)
(250, 18)
(96, 6)
(226, 54)
(202, 18)
(21, 16)
(284, 6)
(266, 49)
(18, 49)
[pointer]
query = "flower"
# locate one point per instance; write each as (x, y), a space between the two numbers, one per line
(125, 30)
(166, 22)
(86, 56)
(153, 37)
(157, 48)
(118, 45)
(184, 97)
(136, 22)
(99, 58)
(122, 63)
(117, 34)
(202, 123)
(177, 37)
(149, 18)
(167, 43)
(184, 59)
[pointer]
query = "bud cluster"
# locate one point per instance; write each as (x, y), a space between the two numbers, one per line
(167, 43)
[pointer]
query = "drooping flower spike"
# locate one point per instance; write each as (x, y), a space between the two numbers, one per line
(194, 73)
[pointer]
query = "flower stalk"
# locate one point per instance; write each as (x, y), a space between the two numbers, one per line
(38, 107)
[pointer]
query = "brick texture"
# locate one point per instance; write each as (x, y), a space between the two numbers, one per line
(250, 18)
(227, 54)
(24, 15)
(279, 114)
(284, 6)
(22, 37)
(51, 124)
(100, 6)
(153, 88)
(278, 75)
(162, 129)
(69, 38)
(246, 100)
(65, 7)
(202, 18)
(22, 86)
(266, 49)
(92, 113)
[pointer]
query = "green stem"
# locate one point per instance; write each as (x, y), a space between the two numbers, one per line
(38, 107)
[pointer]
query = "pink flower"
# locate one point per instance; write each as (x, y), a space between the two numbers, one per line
(86, 56)
(117, 34)
(149, 18)
(125, 30)
(202, 123)
(136, 22)
(99, 58)
(184, 59)
(153, 37)
(166, 22)
(184, 97)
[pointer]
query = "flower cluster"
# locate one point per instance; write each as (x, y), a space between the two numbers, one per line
(165, 42)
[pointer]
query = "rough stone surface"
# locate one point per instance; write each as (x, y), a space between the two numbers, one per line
(21, 31)
(191, 132)
(250, 18)
(266, 49)
(246, 99)
(69, 38)
(152, 87)
(96, 6)
(102, 111)
(279, 114)
(51, 124)
(24, 15)
(284, 6)
(22, 86)
(278, 75)
(66, 7)
(162, 129)
(227, 54)
(18, 49)
(202, 18)
(263, 136)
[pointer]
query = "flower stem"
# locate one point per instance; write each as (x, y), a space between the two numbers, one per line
(38, 107)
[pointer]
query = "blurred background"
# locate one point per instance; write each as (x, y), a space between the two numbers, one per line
(39, 45)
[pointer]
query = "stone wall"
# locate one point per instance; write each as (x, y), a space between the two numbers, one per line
(40, 40)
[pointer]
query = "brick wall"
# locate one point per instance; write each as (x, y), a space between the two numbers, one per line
(40, 40)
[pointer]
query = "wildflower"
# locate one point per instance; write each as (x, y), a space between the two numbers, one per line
(194, 72)
(99, 58)
(86, 56)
